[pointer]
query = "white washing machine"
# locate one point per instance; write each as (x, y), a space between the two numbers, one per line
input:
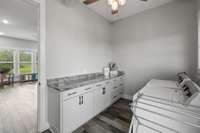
(162, 106)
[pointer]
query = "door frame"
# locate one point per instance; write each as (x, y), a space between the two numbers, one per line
(42, 121)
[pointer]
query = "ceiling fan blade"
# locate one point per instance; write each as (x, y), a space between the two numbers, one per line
(144, 0)
(87, 2)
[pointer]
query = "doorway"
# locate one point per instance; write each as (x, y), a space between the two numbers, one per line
(19, 65)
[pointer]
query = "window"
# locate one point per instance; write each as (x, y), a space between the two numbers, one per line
(26, 65)
(6, 60)
(18, 61)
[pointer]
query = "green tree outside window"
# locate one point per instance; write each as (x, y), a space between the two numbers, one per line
(25, 62)
(6, 60)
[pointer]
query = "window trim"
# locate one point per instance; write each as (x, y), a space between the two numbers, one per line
(16, 60)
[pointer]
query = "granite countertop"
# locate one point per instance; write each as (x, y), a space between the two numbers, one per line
(68, 83)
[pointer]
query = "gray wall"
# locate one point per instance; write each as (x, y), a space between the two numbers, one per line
(157, 43)
(9, 42)
(78, 40)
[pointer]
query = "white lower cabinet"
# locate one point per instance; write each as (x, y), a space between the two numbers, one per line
(117, 89)
(77, 111)
(102, 97)
(114, 94)
(68, 110)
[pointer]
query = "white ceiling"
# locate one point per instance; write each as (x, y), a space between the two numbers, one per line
(132, 7)
(22, 16)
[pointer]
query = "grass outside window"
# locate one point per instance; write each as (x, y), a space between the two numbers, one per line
(25, 68)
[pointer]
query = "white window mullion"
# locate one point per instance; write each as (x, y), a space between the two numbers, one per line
(17, 62)
(14, 63)
(32, 62)
(35, 62)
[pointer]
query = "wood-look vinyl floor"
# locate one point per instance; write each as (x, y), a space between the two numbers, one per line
(18, 108)
(115, 119)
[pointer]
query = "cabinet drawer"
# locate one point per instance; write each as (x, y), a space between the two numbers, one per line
(108, 82)
(115, 98)
(114, 92)
(100, 84)
(77, 91)
(121, 91)
(121, 86)
(115, 87)
(115, 80)
(120, 81)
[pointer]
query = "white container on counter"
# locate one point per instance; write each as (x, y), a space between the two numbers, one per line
(106, 71)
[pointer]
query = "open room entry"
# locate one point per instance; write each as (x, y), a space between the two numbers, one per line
(19, 65)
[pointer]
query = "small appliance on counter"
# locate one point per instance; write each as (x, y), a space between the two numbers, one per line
(113, 69)
(106, 71)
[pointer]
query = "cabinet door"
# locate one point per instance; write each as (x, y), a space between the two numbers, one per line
(114, 94)
(121, 86)
(108, 93)
(116, 89)
(102, 99)
(87, 110)
(71, 114)
(77, 111)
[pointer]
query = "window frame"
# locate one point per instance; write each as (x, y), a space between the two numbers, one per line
(16, 60)
(9, 62)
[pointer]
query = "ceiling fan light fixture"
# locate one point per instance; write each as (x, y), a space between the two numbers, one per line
(115, 5)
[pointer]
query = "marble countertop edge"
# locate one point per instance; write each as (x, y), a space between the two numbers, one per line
(68, 83)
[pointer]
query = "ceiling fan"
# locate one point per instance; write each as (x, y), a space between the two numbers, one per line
(115, 4)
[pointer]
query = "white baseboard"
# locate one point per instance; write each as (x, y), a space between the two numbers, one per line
(128, 97)
(43, 127)
(51, 130)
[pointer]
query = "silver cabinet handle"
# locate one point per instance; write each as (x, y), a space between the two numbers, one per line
(108, 82)
(72, 93)
(104, 91)
(88, 88)
(114, 97)
(121, 85)
(98, 85)
(115, 87)
(79, 100)
(82, 100)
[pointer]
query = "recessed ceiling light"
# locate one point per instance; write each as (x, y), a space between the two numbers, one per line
(1, 33)
(5, 21)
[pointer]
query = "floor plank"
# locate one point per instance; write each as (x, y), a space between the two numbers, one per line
(18, 113)
(18, 108)
(115, 119)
